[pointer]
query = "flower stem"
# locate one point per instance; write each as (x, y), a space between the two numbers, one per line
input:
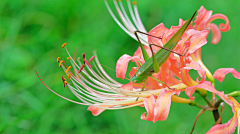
(194, 103)
(218, 103)
(233, 94)
(216, 114)
(204, 96)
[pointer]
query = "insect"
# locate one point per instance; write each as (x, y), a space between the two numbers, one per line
(152, 64)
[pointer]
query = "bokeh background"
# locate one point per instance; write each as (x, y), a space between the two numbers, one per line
(31, 35)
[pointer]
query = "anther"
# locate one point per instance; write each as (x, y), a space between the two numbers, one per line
(67, 69)
(65, 83)
(80, 69)
(68, 58)
(91, 58)
(85, 61)
(83, 55)
(69, 75)
(63, 79)
(60, 63)
(58, 59)
(134, 2)
(64, 44)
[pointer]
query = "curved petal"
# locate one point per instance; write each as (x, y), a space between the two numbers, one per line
(196, 56)
(158, 31)
(230, 126)
(174, 65)
(226, 128)
(203, 15)
(186, 37)
(96, 111)
(122, 64)
(162, 105)
(149, 105)
(168, 35)
(165, 72)
(153, 84)
(221, 73)
(128, 86)
(223, 27)
(181, 22)
(186, 79)
(216, 36)
(195, 65)
(132, 72)
(208, 86)
(198, 40)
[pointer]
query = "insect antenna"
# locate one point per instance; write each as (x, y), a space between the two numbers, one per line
(114, 71)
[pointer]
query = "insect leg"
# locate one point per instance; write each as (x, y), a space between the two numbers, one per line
(145, 83)
(158, 45)
(171, 50)
(145, 55)
(148, 34)
(155, 63)
(162, 82)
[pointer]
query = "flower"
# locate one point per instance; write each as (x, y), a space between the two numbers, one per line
(219, 74)
(98, 90)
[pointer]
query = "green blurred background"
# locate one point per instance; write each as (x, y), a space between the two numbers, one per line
(31, 35)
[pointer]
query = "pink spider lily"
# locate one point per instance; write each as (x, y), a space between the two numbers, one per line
(94, 87)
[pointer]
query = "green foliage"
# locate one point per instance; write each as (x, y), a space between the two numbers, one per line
(31, 35)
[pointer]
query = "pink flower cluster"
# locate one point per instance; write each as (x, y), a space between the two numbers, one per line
(176, 69)
(101, 92)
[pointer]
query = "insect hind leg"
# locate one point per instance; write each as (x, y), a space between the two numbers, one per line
(158, 45)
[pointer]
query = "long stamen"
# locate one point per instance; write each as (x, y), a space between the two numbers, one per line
(138, 18)
(80, 69)
(126, 22)
(97, 88)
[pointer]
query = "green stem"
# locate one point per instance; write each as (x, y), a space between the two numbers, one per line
(208, 101)
(233, 94)
(204, 96)
(194, 103)
(216, 114)
(218, 103)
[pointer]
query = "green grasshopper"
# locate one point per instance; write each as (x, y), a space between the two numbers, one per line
(152, 64)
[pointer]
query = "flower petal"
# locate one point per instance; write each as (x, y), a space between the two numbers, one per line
(223, 27)
(158, 31)
(128, 86)
(215, 32)
(185, 77)
(122, 64)
(198, 40)
(138, 53)
(162, 105)
(203, 15)
(220, 73)
(208, 86)
(149, 105)
(165, 72)
(153, 84)
(195, 65)
(226, 128)
(186, 37)
(132, 72)
(96, 111)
